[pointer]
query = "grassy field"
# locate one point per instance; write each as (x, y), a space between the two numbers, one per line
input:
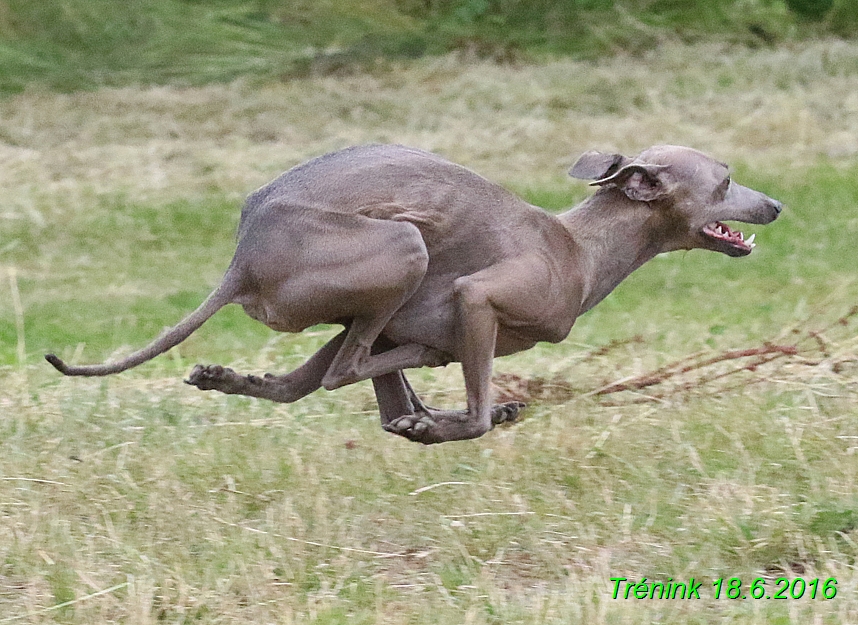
(70, 45)
(137, 499)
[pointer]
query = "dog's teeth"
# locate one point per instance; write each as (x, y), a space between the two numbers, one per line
(751, 238)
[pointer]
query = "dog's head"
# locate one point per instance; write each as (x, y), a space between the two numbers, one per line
(693, 193)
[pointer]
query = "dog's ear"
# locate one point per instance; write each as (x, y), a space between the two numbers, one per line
(597, 165)
(641, 182)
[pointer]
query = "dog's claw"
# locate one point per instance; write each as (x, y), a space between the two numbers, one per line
(506, 413)
(410, 426)
(214, 378)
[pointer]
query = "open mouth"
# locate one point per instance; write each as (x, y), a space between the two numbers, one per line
(733, 243)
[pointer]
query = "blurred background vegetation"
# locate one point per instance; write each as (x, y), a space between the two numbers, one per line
(83, 44)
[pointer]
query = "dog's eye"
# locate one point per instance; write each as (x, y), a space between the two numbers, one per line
(721, 191)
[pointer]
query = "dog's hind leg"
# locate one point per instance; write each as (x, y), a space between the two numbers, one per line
(280, 388)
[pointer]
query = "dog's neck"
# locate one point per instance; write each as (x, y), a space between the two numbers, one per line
(615, 235)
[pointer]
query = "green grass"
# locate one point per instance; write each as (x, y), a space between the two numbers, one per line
(118, 217)
(73, 45)
(84, 44)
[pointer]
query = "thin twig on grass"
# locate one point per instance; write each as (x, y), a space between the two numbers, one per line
(671, 370)
(811, 349)
(815, 351)
(434, 486)
(65, 604)
(33, 480)
(377, 554)
(474, 515)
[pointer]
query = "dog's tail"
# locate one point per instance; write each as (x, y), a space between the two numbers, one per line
(219, 298)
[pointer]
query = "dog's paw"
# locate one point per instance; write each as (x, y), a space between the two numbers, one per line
(506, 413)
(413, 427)
(210, 377)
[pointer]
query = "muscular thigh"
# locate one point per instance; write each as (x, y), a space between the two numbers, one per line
(308, 267)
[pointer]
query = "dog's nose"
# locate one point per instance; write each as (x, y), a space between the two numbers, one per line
(777, 206)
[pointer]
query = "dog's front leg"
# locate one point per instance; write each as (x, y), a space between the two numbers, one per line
(476, 298)
(397, 398)
(501, 413)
